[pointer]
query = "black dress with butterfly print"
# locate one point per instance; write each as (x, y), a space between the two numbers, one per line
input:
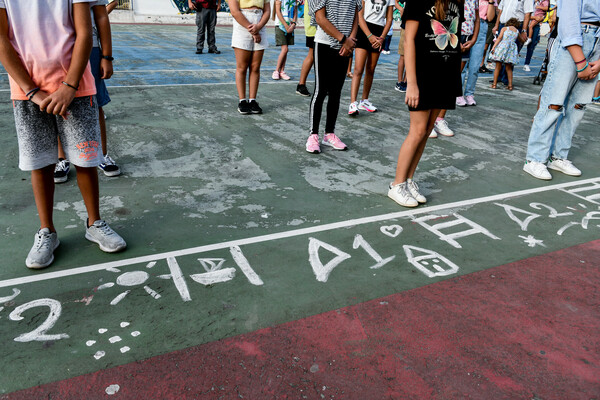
(438, 55)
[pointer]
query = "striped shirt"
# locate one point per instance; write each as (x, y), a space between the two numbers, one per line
(340, 13)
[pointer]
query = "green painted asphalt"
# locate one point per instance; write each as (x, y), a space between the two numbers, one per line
(196, 173)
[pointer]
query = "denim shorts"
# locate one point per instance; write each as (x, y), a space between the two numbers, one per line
(38, 133)
(101, 92)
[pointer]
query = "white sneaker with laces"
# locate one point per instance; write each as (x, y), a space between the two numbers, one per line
(413, 188)
(366, 105)
(400, 194)
(110, 167)
(526, 68)
(470, 100)
(353, 109)
(433, 134)
(441, 127)
(563, 165)
(108, 240)
(42, 253)
(527, 42)
(537, 170)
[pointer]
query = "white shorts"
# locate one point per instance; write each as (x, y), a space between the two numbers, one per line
(242, 39)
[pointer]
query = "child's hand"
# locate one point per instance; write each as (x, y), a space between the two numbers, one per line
(376, 44)
(57, 102)
(412, 95)
(106, 68)
(587, 73)
(256, 38)
(595, 67)
(253, 29)
(39, 97)
(348, 47)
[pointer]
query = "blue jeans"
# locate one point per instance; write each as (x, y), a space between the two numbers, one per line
(471, 70)
(535, 39)
(552, 130)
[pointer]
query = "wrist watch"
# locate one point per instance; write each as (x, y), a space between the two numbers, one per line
(109, 58)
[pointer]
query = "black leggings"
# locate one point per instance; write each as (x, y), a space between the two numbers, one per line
(330, 74)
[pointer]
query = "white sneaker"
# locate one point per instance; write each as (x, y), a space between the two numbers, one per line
(527, 42)
(563, 165)
(537, 170)
(42, 253)
(108, 240)
(400, 194)
(413, 188)
(433, 134)
(442, 128)
(526, 68)
(460, 101)
(365, 105)
(353, 109)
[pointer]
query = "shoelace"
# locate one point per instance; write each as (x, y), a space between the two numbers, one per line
(40, 242)
(108, 160)
(104, 228)
(61, 165)
(413, 185)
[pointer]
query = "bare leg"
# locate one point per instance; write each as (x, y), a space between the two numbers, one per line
(509, 74)
(496, 74)
(349, 72)
(359, 67)
(597, 90)
(242, 61)
(414, 144)
(306, 66)
(87, 180)
(42, 182)
(61, 152)
(256, 60)
(441, 114)
(282, 58)
(401, 69)
(372, 59)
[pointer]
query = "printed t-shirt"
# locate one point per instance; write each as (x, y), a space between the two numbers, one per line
(540, 12)
(287, 10)
(471, 9)
(376, 10)
(438, 55)
(340, 13)
(483, 8)
(43, 35)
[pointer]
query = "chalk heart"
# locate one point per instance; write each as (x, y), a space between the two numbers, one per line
(391, 230)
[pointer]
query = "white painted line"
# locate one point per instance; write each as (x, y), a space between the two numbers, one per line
(170, 256)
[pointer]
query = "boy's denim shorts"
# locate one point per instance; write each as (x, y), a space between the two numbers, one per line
(101, 93)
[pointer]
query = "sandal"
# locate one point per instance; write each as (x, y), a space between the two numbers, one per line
(349, 74)
(510, 87)
(494, 86)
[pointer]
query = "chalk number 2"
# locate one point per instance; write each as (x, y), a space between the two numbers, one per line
(39, 334)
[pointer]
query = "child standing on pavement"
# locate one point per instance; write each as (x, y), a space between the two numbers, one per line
(45, 48)
(374, 21)
(287, 16)
(505, 51)
(102, 68)
(335, 39)
(433, 58)
(309, 60)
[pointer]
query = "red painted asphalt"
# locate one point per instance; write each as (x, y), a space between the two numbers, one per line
(526, 330)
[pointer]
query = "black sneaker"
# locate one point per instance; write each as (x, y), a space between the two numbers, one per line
(484, 70)
(254, 107)
(110, 167)
(244, 107)
(214, 51)
(302, 90)
(401, 87)
(61, 170)
(199, 51)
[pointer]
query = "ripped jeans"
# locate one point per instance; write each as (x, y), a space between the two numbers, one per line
(562, 101)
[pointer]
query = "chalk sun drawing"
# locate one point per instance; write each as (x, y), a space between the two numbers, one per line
(130, 279)
(531, 241)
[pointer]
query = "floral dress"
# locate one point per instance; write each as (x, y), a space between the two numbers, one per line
(506, 52)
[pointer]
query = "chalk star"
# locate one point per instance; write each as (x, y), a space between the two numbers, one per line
(531, 241)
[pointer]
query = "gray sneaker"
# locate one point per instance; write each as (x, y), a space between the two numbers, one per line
(108, 240)
(42, 253)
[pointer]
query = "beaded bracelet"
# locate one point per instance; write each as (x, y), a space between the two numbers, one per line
(71, 86)
(587, 64)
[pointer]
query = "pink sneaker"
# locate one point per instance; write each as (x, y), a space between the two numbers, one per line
(312, 144)
(470, 100)
(284, 76)
(333, 141)
(276, 75)
(460, 101)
